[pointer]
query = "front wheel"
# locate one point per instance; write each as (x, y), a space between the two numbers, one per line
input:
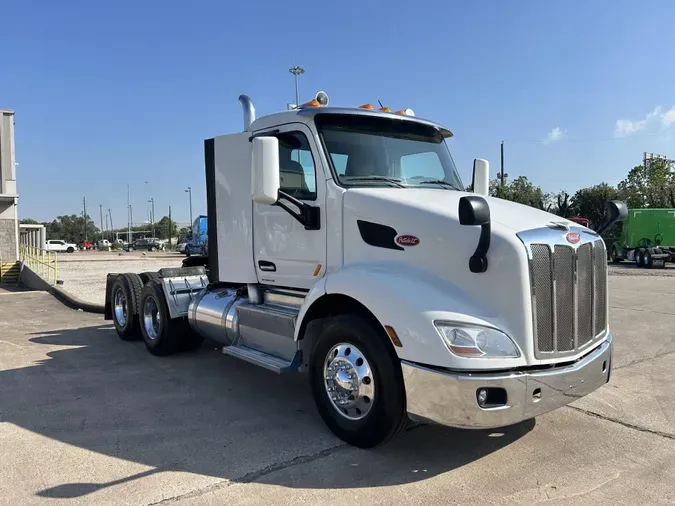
(70, 250)
(357, 382)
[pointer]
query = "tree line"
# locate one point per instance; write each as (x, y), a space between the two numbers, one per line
(650, 186)
(71, 228)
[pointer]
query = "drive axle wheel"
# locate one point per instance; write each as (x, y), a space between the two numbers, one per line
(161, 334)
(357, 382)
(124, 299)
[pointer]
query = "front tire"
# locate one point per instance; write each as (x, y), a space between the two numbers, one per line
(70, 250)
(161, 334)
(357, 382)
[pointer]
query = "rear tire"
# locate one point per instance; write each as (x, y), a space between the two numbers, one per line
(640, 257)
(649, 261)
(375, 412)
(124, 299)
(161, 334)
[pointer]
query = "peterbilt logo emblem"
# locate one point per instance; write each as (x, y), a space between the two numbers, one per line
(407, 240)
(573, 237)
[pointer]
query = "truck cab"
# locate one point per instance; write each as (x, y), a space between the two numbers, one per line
(343, 244)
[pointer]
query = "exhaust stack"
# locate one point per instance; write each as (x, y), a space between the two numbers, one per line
(249, 110)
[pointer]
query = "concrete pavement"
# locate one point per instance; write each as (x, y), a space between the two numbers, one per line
(88, 419)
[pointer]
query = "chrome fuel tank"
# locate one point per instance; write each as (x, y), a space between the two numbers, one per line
(213, 314)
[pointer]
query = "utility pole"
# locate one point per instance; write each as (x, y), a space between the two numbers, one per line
(501, 177)
(296, 70)
(84, 203)
(189, 192)
(111, 223)
(100, 207)
(129, 216)
(152, 215)
(170, 228)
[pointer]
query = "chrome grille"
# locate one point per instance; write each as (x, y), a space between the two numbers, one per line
(569, 292)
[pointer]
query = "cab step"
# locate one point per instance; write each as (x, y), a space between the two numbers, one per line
(265, 360)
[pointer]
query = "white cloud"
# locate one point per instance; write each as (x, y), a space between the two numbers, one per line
(655, 120)
(555, 135)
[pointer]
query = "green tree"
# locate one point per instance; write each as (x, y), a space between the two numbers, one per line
(521, 190)
(71, 228)
(591, 202)
(650, 186)
(28, 221)
(165, 227)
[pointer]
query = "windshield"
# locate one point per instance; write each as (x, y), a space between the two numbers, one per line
(367, 151)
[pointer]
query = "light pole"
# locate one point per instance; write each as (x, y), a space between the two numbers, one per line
(296, 70)
(189, 192)
(152, 215)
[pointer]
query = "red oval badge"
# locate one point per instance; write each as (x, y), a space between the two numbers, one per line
(573, 237)
(407, 240)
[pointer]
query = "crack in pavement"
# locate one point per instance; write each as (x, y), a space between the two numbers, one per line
(641, 310)
(666, 435)
(252, 475)
(646, 359)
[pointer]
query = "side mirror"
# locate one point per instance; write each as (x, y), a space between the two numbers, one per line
(616, 211)
(265, 170)
(475, 211)
(481, 177)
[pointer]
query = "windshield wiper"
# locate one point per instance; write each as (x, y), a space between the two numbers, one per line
(439, 182)
(395, 182)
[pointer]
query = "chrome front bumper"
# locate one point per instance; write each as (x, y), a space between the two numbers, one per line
(449, 398)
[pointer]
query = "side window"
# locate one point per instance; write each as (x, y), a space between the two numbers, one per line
(339, 162)
(424, 165)
(297, 174)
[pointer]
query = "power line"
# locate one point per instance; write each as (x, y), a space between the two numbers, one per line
(588, 139)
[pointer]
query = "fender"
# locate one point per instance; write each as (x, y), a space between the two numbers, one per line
(409, 299)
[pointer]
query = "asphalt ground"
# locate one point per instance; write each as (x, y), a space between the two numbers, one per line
(86, 418)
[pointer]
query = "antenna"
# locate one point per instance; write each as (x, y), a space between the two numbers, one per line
(379, 102)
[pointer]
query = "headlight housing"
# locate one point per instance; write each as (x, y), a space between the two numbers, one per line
(475, 341)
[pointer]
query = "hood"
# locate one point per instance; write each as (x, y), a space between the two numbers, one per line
(443, 202)
(441, 247)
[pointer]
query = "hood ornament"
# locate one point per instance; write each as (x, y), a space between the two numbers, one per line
(559, 225)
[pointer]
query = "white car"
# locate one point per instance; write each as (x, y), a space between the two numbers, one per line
(60, 246)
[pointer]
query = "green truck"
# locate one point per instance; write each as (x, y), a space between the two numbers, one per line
(647, 238)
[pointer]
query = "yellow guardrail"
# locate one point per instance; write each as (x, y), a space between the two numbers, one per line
(42, 262)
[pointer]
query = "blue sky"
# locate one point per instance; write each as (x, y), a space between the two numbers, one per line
(123, 93)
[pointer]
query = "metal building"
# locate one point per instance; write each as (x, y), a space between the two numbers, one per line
(9, 217)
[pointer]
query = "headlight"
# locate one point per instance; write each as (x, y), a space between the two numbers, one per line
(476, 342)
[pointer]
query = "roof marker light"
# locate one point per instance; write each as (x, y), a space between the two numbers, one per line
(366, 106)
(385, 109)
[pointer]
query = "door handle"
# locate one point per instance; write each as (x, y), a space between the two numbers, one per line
(267, 266)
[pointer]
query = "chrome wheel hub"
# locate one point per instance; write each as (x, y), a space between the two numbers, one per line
(349, 381)
(151, 318)
(120, 307)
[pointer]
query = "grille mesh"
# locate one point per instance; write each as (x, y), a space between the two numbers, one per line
(569, 296)
(541, 283)
(585, 293)
(600, 267)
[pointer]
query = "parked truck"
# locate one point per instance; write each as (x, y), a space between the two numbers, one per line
(343, 244)
(647, 238)
(199, 236)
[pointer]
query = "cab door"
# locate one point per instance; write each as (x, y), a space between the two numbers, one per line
(285, 252)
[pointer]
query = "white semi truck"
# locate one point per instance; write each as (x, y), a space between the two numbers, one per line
(343, 244)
